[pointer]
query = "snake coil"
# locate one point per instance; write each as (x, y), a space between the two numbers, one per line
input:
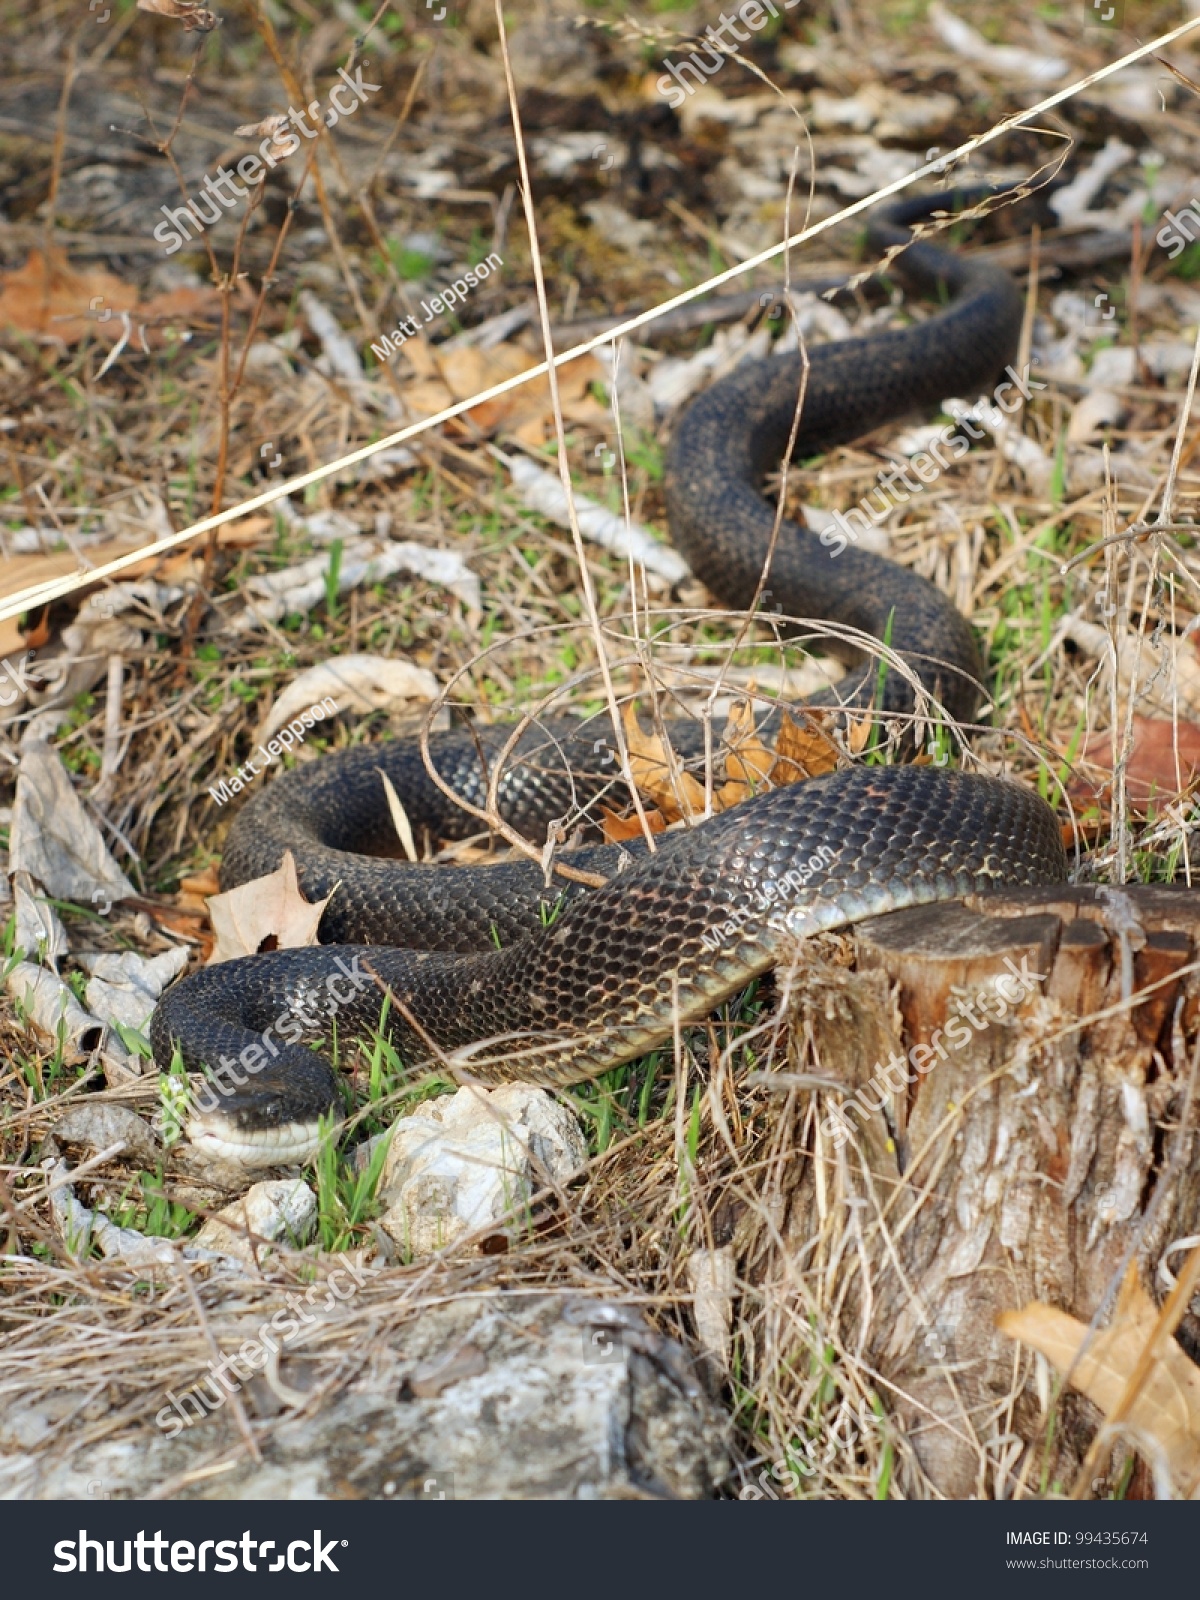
(672, 933)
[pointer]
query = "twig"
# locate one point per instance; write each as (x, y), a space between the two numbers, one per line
(564, 465)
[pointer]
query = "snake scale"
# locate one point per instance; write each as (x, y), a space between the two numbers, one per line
(514, 979)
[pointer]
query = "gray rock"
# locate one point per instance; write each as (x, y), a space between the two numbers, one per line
(99, 1126)
(494, 1396)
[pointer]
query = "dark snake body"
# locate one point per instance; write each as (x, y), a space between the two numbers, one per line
(585, 979)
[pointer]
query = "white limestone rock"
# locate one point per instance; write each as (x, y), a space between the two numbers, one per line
(277, 1209)
(462, 1163)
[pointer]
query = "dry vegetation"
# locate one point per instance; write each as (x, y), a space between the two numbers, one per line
(144, 391)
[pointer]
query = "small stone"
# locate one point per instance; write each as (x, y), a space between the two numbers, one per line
(284, 1209)
(470, 1159)
(99, 1127)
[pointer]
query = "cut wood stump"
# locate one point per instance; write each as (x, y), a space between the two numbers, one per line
(1046, 1139)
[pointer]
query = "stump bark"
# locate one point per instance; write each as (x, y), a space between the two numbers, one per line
(1029, 1160)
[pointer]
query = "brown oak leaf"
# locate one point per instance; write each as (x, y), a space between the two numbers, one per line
(268, 913)
(1163, 1423)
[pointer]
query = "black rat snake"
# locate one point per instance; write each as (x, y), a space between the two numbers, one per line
(586, 978)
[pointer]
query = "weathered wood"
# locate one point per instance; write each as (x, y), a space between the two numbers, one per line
(1028, 1160)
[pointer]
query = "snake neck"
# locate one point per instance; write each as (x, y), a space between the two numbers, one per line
(739, 430)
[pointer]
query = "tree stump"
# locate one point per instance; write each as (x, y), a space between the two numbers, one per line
(1032, 1157)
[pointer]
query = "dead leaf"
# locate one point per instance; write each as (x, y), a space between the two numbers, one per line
(1153, 774)
(276, 129)
(618, 829)
(399, 817)
(181, 921)
(749, 762)
(254, 130)
(268, 913)
(124, 987)
(1164, 1421)
(187, 304)
(39, 634)
(1164, 676)
(48, 298)
(658, 772)
(799, 752)
(803, 752)
(712, 1275)
(245, 531)
(24, 572)
(525, 412)
(12, 640)
(751, 765)
(859, 733)
(51, 1006)
(55, 840)
(361, 683)
(196, 891)
(195, 17)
